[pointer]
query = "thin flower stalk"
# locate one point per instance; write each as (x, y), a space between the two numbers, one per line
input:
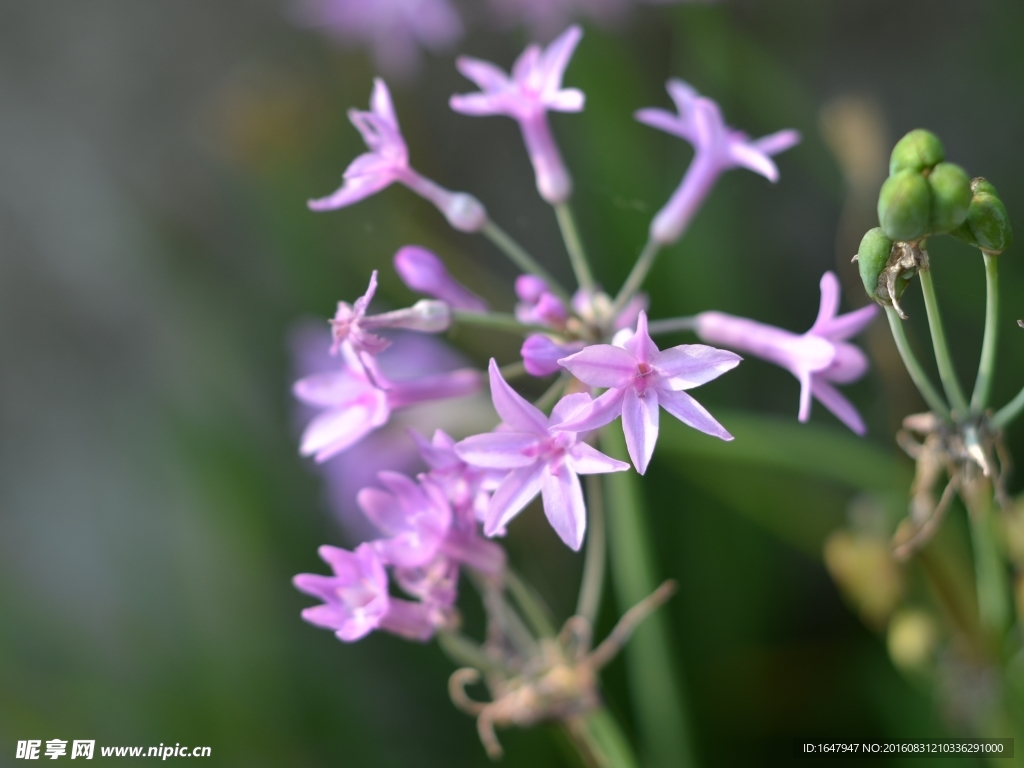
(990, 340)
(947, 374)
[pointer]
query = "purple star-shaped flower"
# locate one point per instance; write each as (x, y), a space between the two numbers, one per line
(346, 324)
(818, 358)
(355, 403)
(717, 148)
(388, 162)
(534, 87)
(539, 459)
(356, 600)
(640, 378)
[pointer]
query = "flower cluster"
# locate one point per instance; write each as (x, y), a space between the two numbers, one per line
(598, 350)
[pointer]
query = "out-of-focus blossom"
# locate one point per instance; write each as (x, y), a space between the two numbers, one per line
(355, 403)
(534, 88)
(717, 148)
(394, 30)
(594, 307)
(388, 162)
(537, 305)
(424, 272)
(541, 354)
(639, 378)
(414, 516)
(467, 487)
(817, 358)
(538, 460)
(356, 600)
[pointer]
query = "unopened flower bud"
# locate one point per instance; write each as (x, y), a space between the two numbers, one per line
(951, 197)
(541, 354)
(918, 151)
(424, 272)
(904, 206)
(872, 256)
(529, 288)
(987, 225)
(465, 213)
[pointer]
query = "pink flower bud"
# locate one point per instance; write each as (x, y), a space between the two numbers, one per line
(424, 272)
(541, 354)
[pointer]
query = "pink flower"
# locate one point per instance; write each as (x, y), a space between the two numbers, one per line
(818, 358)
(639, 378)
(356, 600)
(538, 460)
(534, 87)
(356, 403)
(541, 354)
(717, 148)
(388, 162)
(424, 272)
(467, 488)
(393, 29)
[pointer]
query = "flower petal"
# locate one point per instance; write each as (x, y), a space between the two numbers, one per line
(640, 426)
(692, 414)
(332, 388)
(513, 409)
(568, 406)
(777, 142)
(843, 409)
(563, 504)
(337, 429)
(664, 121)
(829, 304)
(804, 377)
(587, 460)
(640, 343)
(690, 365)
(603, 410)
(352, 191)
(556, 58)
(380, 103)
(498, 450)
(517, 490)
(743, 154)
(848, 325)
(602, 365)
(485, 74)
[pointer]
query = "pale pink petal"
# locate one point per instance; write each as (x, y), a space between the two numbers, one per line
(383, 510)
(664, 121)
(476, 104)
(566, 100)
(848, 325)
(603, 410)
(804, 377)
(335, 430)
(569, 406)
(602, 365)
(512, 408)
(556, 58)
(563, 504)
(744, 155)
(352, 191)
(360, 305)
(517, 490)
(587, 460)
(692, 414)
(485, 74)
(848, 365)
(640, 426)
(331, 388)
(829, 304)
(499, 450)
(842, 408)
(690, 365)
(709, 127)
(683, 95)
(777, 142)
(640, 343)
(526, 63)
(440, 386)
(380, 103)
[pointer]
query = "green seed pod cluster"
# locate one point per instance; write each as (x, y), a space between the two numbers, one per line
(987, 225)
(923, 194)
(872, 256)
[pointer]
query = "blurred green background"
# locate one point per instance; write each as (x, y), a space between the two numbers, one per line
(156, 253)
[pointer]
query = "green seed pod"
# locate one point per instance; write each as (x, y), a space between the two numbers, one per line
(987, 225)
(871, 257)
(951, 197)
(918, 151)
(904, 206)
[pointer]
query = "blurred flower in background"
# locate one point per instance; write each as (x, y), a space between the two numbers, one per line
(394, 30)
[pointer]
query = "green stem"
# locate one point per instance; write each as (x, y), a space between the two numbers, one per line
(574, 246)
(513, 370)
(601, 741)
(637, 275)
(654, 683)
(1008, 412)
(947, 375)
(917, 375)
(671, 325)
(498, 321)
(545, 401)
(533, 608)
(990, 571)
(521, 258)
(987, 365)
(592, 583)
(464, 651)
